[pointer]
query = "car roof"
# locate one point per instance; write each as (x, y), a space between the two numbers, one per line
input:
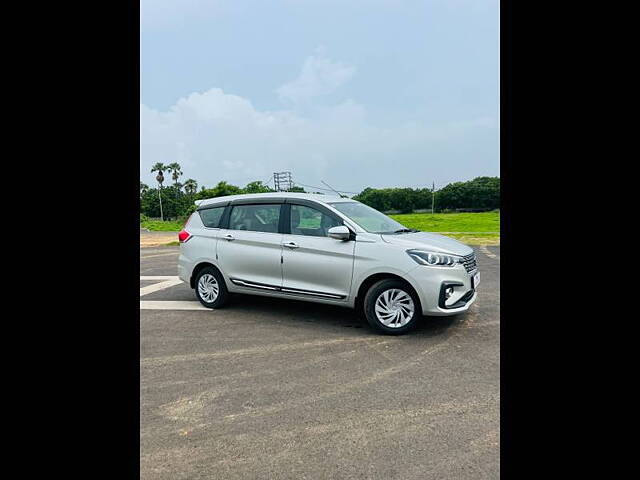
(275, 196)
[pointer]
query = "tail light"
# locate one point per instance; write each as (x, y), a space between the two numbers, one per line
(183, 236)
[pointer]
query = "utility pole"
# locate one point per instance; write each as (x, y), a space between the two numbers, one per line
(433, 196)
(282, 181)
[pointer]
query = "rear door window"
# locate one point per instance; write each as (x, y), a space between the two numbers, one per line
(255, 218)
(211, 216)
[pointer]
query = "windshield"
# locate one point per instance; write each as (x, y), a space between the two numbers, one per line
(368, 218)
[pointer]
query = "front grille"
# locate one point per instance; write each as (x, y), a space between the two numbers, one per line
(469, 262)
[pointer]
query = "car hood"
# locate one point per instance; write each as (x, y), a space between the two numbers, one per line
(433, 242)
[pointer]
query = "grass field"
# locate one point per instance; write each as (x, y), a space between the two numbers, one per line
(158, 226)
(451, 222)
(472, 228)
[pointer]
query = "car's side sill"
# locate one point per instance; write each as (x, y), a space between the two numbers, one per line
(296, 291)
(243, 283)
(309, 292)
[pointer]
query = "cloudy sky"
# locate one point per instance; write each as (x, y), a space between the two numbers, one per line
(356, 93)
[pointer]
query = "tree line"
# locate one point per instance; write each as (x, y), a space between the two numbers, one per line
(481, 193)
(176, 200)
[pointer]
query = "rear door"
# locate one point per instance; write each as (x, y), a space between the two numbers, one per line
(249, 248)
(210, 218)
(312, 263)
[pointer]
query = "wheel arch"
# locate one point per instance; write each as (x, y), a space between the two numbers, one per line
(198, 268)
(371, 280)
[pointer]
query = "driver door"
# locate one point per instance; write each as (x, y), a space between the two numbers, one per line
(312, 263)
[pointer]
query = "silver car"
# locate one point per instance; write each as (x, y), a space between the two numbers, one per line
(324, 249)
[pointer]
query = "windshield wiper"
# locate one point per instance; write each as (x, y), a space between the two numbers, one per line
(405, 230)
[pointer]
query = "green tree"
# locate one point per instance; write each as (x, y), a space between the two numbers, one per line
(402, 199)
(257, 187)
(143, 188)
(160, 168)
(173, 204)
(422, 198)
(222, 189)
(190, 186)
(376, 198)
(480, 193)
(176, 171)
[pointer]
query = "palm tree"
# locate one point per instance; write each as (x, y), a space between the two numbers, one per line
(160, 168)
(144, 188)
(190, 186)
(176, 172)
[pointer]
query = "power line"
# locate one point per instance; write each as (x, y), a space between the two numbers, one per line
(333, 189)
(325, 189)
(283, 181)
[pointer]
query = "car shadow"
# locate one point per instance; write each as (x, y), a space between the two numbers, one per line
(319, 316)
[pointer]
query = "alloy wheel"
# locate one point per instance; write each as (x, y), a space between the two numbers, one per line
(208, 288)
(394, 308)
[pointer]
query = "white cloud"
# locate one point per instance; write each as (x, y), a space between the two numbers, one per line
(170, 14)
(218, 136)
(319, 76)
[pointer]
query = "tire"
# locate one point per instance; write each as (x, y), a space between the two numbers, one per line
(396, 298)
(209, 295)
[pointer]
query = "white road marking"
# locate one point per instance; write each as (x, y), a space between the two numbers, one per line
(159, 255)
(159, 286)
(158, 277)
(171, 305)
(486, 251)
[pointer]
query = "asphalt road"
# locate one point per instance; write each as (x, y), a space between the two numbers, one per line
(284, 389)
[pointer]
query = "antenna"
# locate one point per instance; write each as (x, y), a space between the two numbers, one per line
(334, 190)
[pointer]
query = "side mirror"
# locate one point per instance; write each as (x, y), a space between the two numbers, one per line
(339, 233)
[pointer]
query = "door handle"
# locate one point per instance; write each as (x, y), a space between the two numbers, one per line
(291, 245)
(228, 237)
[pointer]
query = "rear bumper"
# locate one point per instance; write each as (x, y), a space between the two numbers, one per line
(430, 283)
(184, 272)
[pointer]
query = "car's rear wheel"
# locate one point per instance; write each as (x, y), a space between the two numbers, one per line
(210, 288)
(391, 307)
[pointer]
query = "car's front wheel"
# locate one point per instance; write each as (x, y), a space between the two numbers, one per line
(391, 307)
(210, 288)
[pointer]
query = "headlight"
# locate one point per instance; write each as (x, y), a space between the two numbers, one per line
(434, 259)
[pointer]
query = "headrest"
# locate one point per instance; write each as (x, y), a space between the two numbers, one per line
(327, 221)
(295, 216)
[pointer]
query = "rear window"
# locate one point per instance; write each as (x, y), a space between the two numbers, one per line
(256, 218)
(211, 216)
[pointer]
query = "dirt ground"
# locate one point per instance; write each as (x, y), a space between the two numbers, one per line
(156, 239)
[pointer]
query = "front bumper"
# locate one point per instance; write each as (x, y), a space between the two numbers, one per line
(430, 283)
